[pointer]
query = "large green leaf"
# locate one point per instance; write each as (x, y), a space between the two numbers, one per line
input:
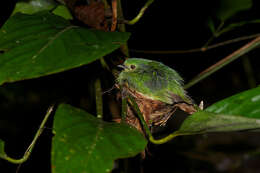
(246, 104)
(84, 143)
(33, 6)
(228, 8)
(239, 112)
(43, 44)
(205, 122)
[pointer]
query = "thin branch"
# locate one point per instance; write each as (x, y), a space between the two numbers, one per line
(141, 13)
(121, 27)
(146, 128)
(249, 71)
(124, 109)
(99, 104)
(114, 15)
(140, 116)
(203, 49)
(214, 35)
(31, 146)
(223, 62)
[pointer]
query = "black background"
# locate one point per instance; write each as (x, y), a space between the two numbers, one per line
(166, 25)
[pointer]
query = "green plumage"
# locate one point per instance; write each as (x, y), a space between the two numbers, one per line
(153, 80)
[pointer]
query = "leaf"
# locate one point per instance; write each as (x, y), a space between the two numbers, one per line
(205, 122)
(239, 112)
(43, 43)
(246, 104)
(211, 25)
(228, 8)
(62, 11)
(84, 143)
(33, 6)
(236, 25)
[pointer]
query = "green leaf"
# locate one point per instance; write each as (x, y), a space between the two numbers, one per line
(33, 6)
(236, 25)
(239, 112)
(211, 25)
(43, 43)
(205, 122)
(228, 8)
(246, 104)
(84, 143)
(62, 11)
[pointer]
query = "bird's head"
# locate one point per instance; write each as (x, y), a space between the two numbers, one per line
(135, 64)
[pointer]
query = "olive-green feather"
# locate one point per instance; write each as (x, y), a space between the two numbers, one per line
(153, 80)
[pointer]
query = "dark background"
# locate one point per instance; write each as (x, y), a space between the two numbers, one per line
(166, 25)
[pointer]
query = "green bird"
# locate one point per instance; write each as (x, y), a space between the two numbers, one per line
(153, 80)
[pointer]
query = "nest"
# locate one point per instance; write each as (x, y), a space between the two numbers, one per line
(155, 112)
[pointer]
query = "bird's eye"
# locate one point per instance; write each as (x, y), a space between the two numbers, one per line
(132, 67)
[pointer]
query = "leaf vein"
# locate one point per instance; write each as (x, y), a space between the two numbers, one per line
(93, 145)
(52, 40)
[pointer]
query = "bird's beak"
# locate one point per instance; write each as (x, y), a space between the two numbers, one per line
(122, 66)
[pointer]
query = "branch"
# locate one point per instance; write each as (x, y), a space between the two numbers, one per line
(31, 146)
(203, 49)
(223, 62)
(99, 104)
(140, 14)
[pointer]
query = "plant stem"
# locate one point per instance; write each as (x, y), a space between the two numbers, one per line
(249, 71)
(124, 109)
(114, 15)
(141, 13)
(104, 64)
(223, 62)
(203, 49)
(216, 34)
(121, 27)
(139, 113)
(31, 146)
(146, 128)
(99, 104)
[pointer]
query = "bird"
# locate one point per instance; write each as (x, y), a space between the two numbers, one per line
(157, 87)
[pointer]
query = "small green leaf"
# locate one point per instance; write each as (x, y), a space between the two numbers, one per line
(238, 112)
(62, 11)
(43, 43)
(211, 25)
(84, 143)
(33, 6)
(228, 8)
(236, 25)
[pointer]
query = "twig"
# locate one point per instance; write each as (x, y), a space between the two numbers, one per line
(203, 49)
(99, 104)
(124, 109)
(31, 146)
(141, 13)
(215, 34)
(249, 71)
(238, 53)
(146, 128)
(121, 27)
(114, 15)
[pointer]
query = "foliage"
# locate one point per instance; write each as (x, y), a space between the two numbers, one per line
(83, 143)
(39, 40)
(37, 43)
